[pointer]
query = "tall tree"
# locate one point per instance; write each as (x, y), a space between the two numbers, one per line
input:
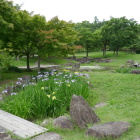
(22, 35)
(7, 10)
(120, 32)
(64, 33)
(86, 39)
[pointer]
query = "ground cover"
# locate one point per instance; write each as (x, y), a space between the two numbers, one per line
(119, 90)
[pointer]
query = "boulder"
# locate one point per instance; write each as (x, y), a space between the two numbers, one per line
(130, 62)
(135, 72)
(48, 136)
(63, 122)
(110, 129)
(81, 113)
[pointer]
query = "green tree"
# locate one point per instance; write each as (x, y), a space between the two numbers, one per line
(65, 34)
(21, 41)
(86, 39)
(120, 32)
(7, 10)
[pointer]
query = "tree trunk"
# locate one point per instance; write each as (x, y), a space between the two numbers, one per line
(87, 52)
(28, 62)
(38, 64)
(104, 51)
(117, 51)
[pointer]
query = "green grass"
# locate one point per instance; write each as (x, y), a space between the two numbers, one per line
(121, 92)
(33, 61)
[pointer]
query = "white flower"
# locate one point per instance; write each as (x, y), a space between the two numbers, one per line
(5, 91)
(19, 78)
(13, 93)
(18, 83)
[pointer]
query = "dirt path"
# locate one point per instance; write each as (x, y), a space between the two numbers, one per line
(41, 66)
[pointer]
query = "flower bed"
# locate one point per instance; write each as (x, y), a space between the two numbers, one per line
(47, 95)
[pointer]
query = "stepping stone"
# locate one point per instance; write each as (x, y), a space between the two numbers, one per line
(48, 136)
(110, 129)
(19, 126)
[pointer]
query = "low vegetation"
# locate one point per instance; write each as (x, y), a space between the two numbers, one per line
(116, 87)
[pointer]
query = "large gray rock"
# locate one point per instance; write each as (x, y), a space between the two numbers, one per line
(110, 129)
(63, 122)
(81, 113)
(48, 136)
(135, 72)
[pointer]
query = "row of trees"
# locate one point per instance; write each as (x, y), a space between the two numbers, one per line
(23, 33)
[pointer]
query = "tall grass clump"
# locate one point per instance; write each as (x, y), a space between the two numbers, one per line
(48, 94)
(123, 70)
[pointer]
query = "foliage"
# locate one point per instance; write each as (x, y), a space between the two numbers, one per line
(119, 32)
(12, 69)
(88, 38)
(65, 34)
(7, 11)
(123, 70)
(50, 96)
(5, 60)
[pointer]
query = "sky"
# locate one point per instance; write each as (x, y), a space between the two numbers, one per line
(81, 10)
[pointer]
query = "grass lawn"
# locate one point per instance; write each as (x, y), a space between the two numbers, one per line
(120, 91)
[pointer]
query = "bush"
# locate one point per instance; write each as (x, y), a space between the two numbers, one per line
(12, 69)
(123, 70)
(138, 52)
(50, 96)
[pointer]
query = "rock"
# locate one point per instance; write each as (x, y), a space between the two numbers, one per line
(63, 122)
(110, 129)
(12, 139)
(45, 122)
(27, 78)
(48, 136)
(2, 129)
(4, 136)
(81, 113)
(99, 105)
(130, 62)
(135, 72)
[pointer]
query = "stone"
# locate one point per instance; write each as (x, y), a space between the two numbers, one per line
(48, 136)
(135, 71)
(63, 122)
(4, 136)
(130, 62)
(27, 78)
(99, 105)
(45, 122)
(110, 129)
(2, 129)
(81, 113)
(12, 139)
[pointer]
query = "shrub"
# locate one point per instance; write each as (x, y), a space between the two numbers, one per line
(50, 96)
(123, 70)
(12, 69)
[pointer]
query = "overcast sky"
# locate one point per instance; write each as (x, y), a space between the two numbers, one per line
(80, 10)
